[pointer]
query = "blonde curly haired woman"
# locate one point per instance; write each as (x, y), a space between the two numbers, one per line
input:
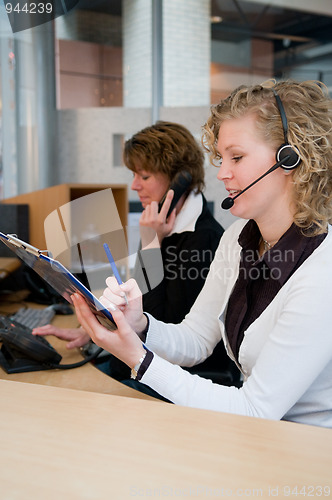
(268, 292)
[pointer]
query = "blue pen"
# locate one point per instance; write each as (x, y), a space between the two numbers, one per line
(114, 268)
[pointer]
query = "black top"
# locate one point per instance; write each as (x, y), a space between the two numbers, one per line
(186, 258)
(260, 278)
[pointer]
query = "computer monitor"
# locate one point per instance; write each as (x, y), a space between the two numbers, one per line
(14, 219)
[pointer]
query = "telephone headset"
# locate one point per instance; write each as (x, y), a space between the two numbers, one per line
(285, 150)
(287, 156)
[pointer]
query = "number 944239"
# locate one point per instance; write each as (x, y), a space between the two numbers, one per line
(29, 8)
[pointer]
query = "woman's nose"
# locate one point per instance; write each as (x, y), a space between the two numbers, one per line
(135, 185)
(224, 172)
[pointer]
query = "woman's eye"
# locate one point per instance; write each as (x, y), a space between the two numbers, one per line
(217, 161)
(145, 177)
(236, 158)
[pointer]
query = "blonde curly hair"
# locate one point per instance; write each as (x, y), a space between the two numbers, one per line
(308, 109)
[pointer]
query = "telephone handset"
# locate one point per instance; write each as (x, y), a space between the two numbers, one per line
(179, 185)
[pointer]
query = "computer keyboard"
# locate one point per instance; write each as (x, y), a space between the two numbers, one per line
(30, 317)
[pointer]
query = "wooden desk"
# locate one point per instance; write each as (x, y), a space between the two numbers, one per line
(85, 378)
(61, 443)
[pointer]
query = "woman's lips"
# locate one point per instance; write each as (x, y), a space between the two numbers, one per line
(233, 192)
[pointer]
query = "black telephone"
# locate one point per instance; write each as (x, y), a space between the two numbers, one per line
(179, 185)
(21, 351)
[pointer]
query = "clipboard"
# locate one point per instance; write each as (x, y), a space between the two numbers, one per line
(58, 276)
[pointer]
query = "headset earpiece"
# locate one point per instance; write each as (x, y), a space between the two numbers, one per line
(286, 149)
(293, 160)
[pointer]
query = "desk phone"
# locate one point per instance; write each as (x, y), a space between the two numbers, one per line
(21, 351)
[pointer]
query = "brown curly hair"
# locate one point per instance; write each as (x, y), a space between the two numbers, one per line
(167, 148)
(308, 109)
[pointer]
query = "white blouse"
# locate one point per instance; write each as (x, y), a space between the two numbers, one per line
(285, 356)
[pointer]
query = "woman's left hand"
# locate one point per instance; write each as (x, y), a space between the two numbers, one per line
(123, 343)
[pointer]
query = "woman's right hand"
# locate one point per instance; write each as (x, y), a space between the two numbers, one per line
(77, 337)
(114, 295)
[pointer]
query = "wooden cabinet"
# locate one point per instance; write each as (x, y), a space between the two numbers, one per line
(44, 201)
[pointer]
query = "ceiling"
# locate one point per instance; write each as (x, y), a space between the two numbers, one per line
(299, 36)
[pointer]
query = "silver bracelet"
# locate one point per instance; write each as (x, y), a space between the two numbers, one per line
(137, 367)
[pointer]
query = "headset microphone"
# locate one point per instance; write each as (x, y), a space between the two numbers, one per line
(229, 202)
